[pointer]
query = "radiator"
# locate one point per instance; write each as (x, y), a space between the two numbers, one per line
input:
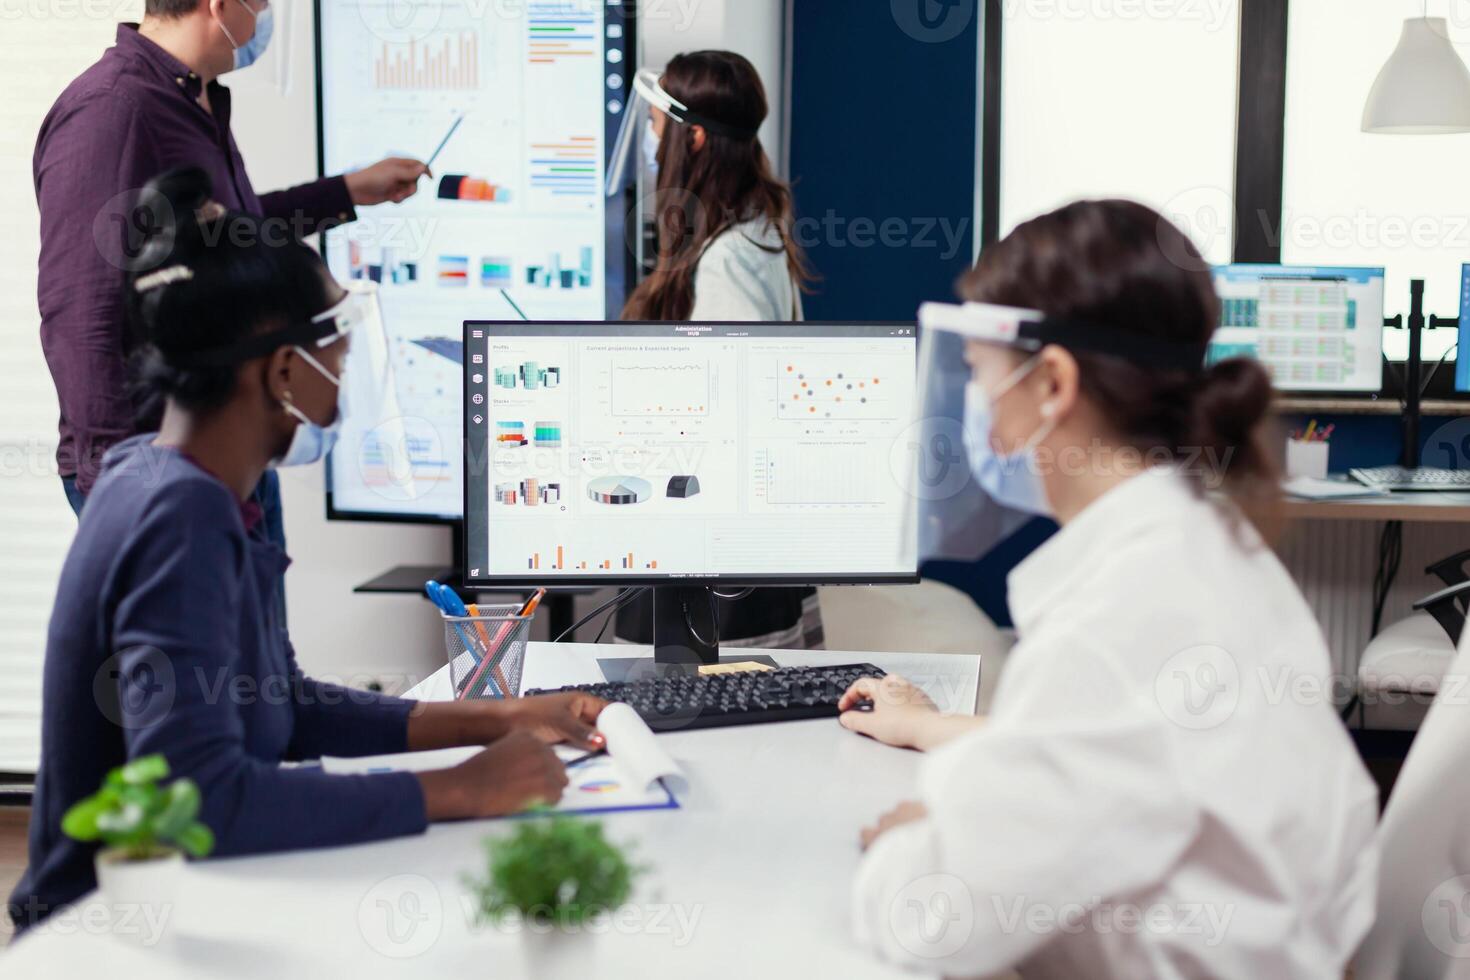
(1334, 563)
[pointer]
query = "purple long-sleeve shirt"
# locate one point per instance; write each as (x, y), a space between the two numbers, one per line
(128, 118)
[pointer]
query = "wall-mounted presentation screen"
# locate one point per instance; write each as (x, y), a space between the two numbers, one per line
(530, 95)
(1315, 328)
(735, 452)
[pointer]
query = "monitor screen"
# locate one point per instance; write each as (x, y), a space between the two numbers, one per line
(1462, 356)
(729, 452)
(521, 103)
(1315, 328)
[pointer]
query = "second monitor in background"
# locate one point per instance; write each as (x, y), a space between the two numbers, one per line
(1315, 328)
(686, 456)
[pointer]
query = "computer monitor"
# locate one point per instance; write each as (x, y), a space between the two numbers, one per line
(1462, 355)
(686, 455)
(520, 103)
(1315, 328)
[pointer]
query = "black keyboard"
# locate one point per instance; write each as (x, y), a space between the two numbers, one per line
(680, 702)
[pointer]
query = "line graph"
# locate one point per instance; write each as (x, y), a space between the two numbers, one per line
(654, 390)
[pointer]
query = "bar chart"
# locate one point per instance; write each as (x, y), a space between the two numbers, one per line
(452, 64)
(557, 561)
(818, 474)
(558, 31)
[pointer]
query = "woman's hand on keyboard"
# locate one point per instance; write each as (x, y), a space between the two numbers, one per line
(892, 710)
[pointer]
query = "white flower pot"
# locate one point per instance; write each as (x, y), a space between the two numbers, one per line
(559, 953)
(140, 896)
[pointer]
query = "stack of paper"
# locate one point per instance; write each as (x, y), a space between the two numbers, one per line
(1310, 488)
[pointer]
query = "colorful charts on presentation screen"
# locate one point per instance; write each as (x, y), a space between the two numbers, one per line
(514, 102)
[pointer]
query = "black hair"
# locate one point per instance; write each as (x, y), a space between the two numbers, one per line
(205, 280)
(170, 8)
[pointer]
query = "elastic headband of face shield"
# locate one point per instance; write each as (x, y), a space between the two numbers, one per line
(646, 84)
(322, 330)
(1031, 330)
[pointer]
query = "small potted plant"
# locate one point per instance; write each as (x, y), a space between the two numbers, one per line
(550, 880)
(145, 829)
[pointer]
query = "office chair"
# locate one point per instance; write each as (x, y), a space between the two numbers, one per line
(1423, 921)
(1403, 667)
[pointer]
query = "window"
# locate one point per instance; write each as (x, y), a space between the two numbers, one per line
(1122, 98)
(40, 52)
(1351, 198)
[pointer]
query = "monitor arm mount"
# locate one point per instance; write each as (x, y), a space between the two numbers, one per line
(1416, 324)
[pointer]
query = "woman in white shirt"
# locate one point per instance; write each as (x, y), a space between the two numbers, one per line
(725, 252)
(1162, 788)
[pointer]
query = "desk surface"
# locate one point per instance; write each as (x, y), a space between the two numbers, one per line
(750, 878)
(1416, 507)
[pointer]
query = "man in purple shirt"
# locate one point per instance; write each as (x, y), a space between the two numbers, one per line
(152, 103)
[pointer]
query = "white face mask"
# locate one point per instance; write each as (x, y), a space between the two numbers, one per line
(249, 53)
(1011, 479)
(311, 442)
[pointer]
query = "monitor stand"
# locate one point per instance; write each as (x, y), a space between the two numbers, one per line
(676, 648)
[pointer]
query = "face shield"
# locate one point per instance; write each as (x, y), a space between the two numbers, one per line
(374, 439)
(950, 516)
(947, 513)
(649, 95)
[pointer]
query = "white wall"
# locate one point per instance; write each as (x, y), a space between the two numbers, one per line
(1355, 198)
(396, 638)
(1135, 102)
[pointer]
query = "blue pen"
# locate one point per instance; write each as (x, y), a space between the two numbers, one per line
(454, 605)
(450, 605)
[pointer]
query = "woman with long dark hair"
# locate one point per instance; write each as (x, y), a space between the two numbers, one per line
(725, 251)
(1162, 788)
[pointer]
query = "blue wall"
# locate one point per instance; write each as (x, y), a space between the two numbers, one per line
(882, 150)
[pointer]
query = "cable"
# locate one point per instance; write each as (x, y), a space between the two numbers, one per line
(714, 612)
(1454, 348)
(616, 600)
(733, 598)
(1390, 556)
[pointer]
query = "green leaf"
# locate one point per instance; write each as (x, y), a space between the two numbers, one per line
(121, 822)
(147, 769)
(179, 805)
(80, 822)
(563, 869)
(196, 839)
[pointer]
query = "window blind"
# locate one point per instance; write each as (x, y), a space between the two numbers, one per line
(42, 48)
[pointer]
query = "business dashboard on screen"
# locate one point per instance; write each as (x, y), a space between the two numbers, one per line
(515, 205)
(735, 452)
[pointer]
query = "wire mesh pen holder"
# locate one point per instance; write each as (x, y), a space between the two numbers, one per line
(487, 652)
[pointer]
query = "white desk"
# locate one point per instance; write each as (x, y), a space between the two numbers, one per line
(759, 859)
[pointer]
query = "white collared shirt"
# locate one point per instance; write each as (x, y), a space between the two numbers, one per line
(1163, 788)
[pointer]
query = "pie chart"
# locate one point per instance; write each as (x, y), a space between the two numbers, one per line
(600, 786)
(619, 490)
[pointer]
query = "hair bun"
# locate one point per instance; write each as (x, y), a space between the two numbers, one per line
(168, 206)
(1230, 405)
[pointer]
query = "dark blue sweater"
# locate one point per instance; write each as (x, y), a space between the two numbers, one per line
(166, 638)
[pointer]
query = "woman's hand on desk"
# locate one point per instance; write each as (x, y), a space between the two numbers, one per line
(518, 771)
(551, 718)
(559, 718)
(906, 812)
(896, 712)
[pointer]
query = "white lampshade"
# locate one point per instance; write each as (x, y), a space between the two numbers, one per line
(1424, 87)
